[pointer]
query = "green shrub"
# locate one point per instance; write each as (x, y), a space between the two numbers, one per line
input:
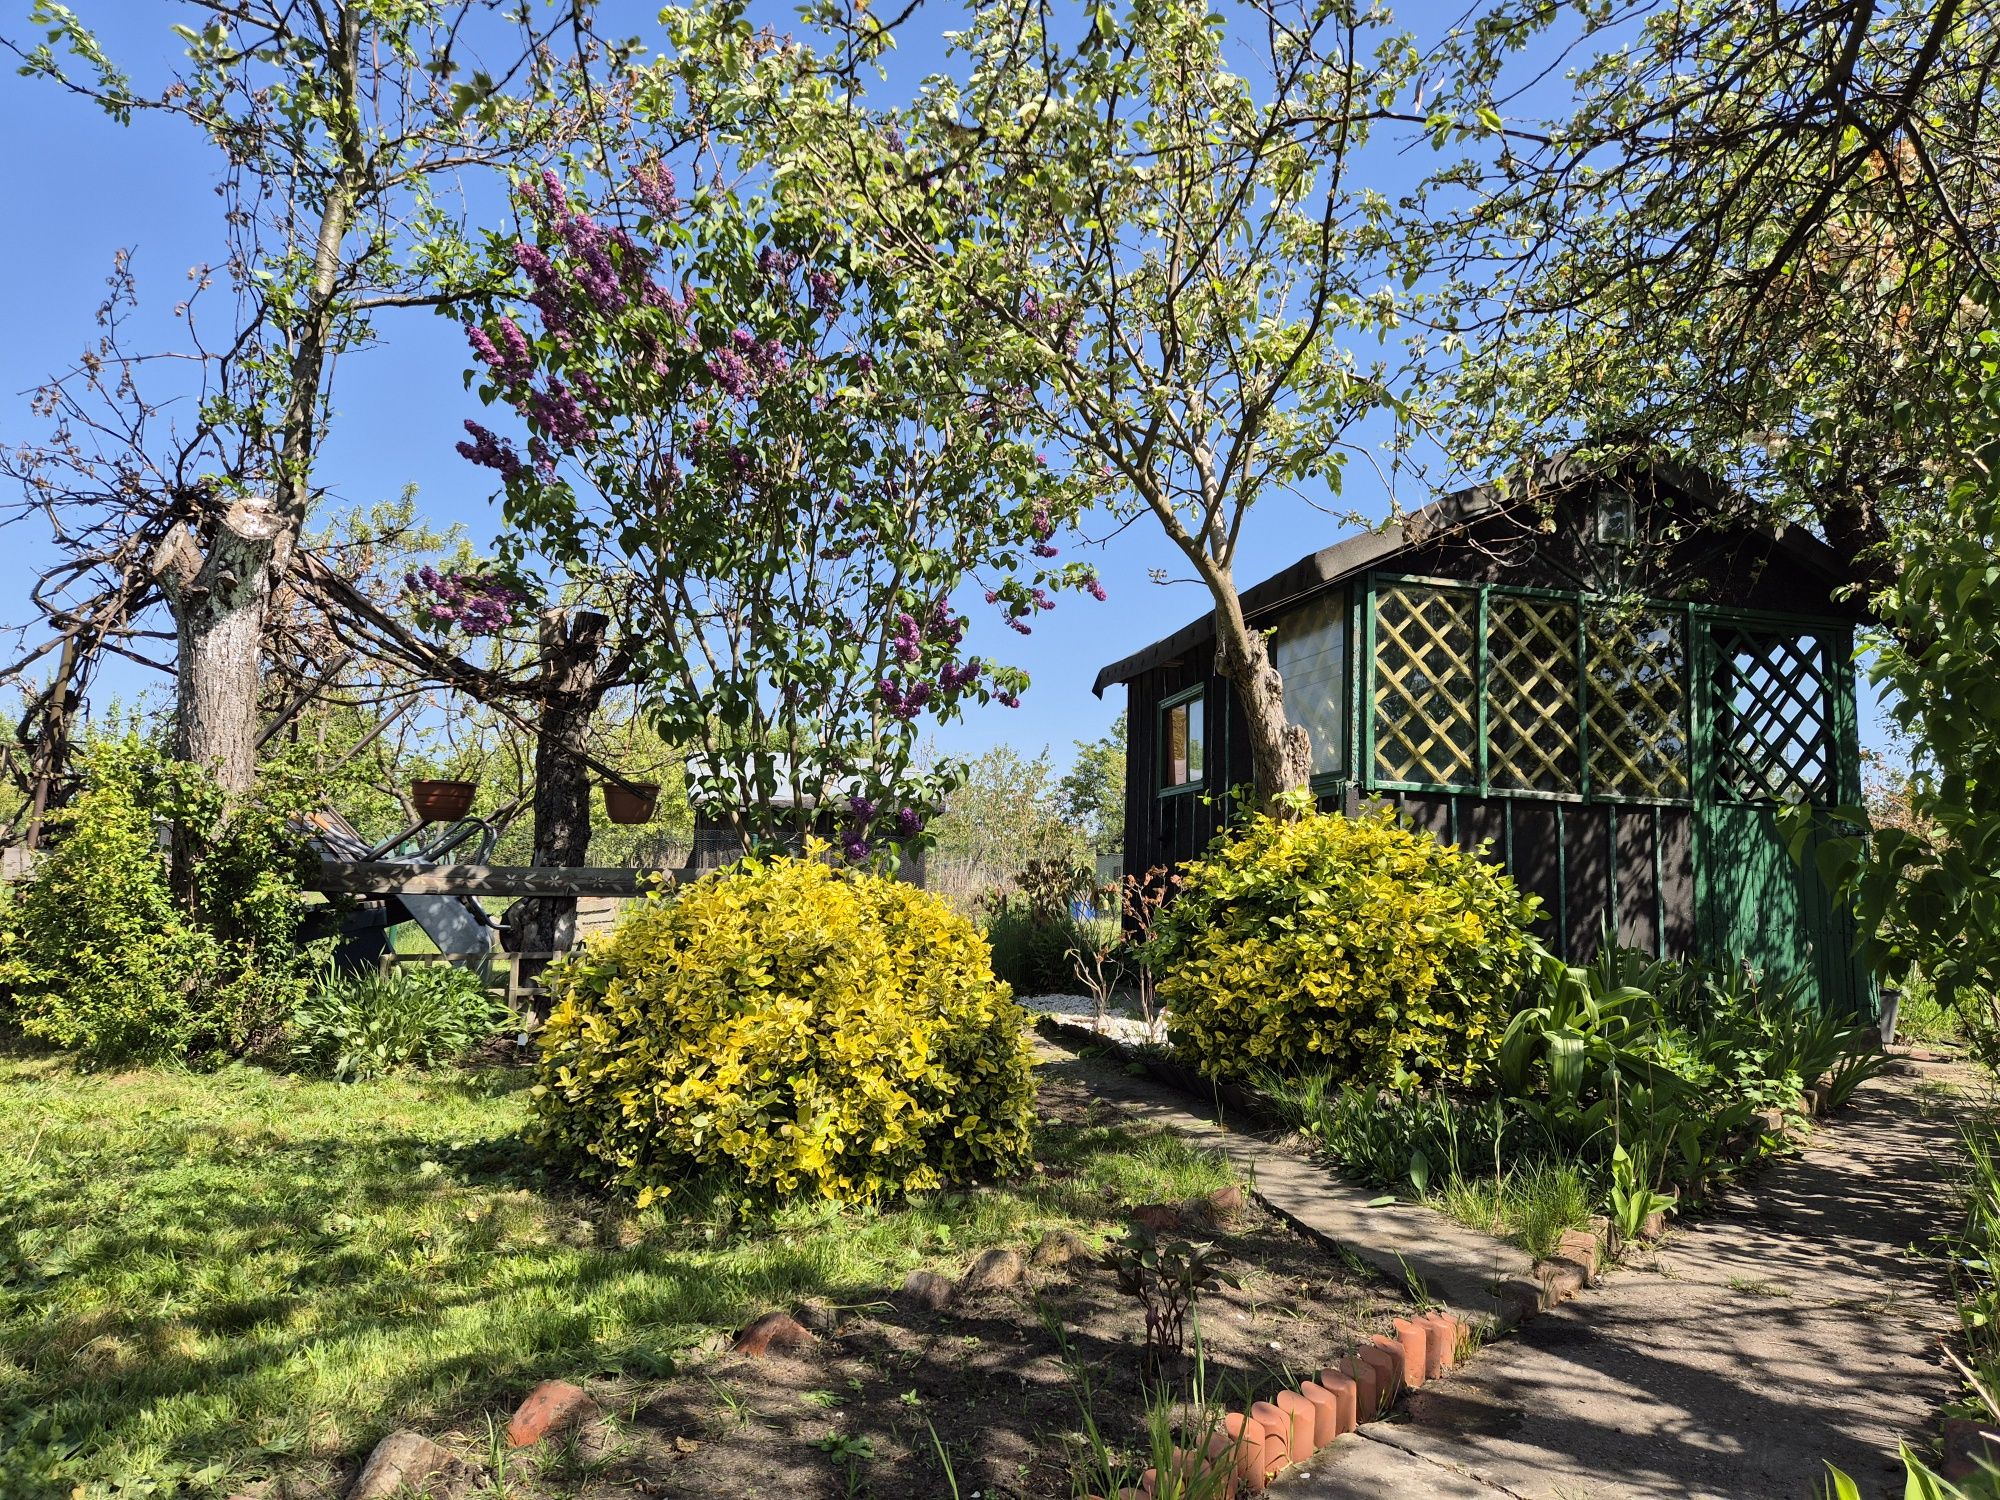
(1035, 954)
(1355, 946)
(793, 1028)
(365, 1025)
(104, 954)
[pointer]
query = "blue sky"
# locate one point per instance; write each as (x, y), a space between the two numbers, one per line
(81, 187)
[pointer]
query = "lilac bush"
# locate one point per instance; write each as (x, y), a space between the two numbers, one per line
(792, 480)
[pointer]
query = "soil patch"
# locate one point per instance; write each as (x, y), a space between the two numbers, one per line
(1006, 1382)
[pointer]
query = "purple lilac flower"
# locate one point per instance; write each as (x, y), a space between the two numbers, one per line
(893, 139)
(909, 822)
(590, 262)
(1007, 699)
(732, 372)
(824, 291)
(775, 264)
(1042, 599)
(1044, 527)
(954, 679)
(906, 643)
(655, 182)
(490, 451)
(482, 346)
(1043, 549)
(1095, 588)
(863, 809)
(517, 355)
(1019, 626)
(558, 413)
(469, 601)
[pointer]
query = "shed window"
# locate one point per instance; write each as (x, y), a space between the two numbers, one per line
(1181, 741)
(1309, 649)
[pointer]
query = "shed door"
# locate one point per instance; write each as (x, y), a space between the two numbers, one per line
(1775, 729)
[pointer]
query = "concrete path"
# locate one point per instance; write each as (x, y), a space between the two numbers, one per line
(1796, 1327)
(1488, 1283)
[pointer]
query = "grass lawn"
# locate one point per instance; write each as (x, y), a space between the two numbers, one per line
(209, 1277)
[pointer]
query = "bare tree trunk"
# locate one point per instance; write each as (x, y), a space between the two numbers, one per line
(570, 690)
(219, 601)
(1280, 751)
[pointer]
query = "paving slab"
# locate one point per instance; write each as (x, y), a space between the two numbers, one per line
(1483, 1280)
(1797, 1325)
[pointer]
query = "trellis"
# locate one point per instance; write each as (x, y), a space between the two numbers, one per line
(1639, 704)
(1534, 735)
(1771, 717)
(1426, 678)
(1517, 692)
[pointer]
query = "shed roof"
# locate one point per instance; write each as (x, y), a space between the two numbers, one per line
(1323, 569)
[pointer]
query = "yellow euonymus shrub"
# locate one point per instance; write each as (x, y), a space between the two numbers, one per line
(797, 1028)
(1346, 945)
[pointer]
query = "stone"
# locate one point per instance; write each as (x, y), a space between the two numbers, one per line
(1058, 1248)
(1579, 1247)
(1602, 1230)
(552, 1406)
(1226, 1202)
(1560, 1279)
(1812, 1101)
(1160, 1218)
(1967, 1441)
(991, 1270)
(775, 1330)
(821, 1318)
(1655, 1226)
(926, 1291)
(405, 1464)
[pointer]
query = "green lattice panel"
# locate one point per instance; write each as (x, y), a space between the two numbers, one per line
(1532, 729)
(1638, 705)
(1773, 740)
(1426, 698)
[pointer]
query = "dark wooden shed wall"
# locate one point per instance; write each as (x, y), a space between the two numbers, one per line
(1564, 852)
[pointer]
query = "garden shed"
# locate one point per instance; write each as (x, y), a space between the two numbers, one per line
(1611, 675)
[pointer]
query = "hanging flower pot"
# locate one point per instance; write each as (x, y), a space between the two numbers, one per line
(442, 801)
(631, 804)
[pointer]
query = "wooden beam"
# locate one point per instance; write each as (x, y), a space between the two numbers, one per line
(390, 878)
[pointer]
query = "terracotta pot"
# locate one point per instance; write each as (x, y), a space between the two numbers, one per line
(442, 801)
(631, 806)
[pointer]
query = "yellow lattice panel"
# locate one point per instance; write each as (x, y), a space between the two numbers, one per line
(1638, 705)
(1426, 649)
(1533, 730)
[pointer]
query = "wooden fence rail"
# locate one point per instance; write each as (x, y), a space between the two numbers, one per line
(388, 878)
